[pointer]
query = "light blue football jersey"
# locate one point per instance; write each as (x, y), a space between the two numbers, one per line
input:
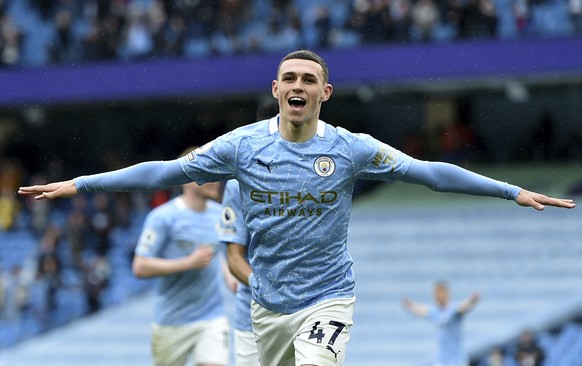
(296, 202)
(173, 230)
(448, 323)
(234, 230)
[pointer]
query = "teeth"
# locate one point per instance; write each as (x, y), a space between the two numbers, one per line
(296, 99)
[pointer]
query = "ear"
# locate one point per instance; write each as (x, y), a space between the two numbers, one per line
(327, 90)
(275, 89)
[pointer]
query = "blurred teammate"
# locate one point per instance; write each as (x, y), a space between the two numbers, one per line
(179, 244)
(235, 234)
(296, 176)
(447, 317)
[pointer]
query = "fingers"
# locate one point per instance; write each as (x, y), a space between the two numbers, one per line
(50, 191)
(539, 201)
(38, 191)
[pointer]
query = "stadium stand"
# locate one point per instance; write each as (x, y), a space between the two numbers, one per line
(40, 33)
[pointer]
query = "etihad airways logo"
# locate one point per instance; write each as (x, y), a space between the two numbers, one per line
(277, 202)
(287, 197)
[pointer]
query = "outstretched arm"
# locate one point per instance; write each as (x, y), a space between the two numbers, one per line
(146, 176)
(414, 308)
(444, 177)
(469, 303)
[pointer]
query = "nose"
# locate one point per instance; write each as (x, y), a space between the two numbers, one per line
(298, 85)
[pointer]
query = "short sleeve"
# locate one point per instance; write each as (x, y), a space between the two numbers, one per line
(232, 224)
(153, 236)
(376, 160)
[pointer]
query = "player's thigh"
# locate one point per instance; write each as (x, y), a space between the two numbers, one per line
(245, 348)
(171, 345)
(274, 335)
(324, 335)
(211, 347)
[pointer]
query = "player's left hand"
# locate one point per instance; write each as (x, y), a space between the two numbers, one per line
(539, 201)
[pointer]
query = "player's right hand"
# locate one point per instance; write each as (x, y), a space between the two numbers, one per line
(202, 257)
(62, 189)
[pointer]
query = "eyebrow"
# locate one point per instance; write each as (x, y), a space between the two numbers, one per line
(292, 73)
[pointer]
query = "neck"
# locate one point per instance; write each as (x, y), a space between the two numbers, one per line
(194, 201)
(300, 132)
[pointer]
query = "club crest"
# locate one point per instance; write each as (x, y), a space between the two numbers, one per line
(324, 166)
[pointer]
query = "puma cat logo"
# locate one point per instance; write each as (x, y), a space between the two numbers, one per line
(332, 351)
(266, 165)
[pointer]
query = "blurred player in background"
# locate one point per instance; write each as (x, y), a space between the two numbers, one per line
(179, 244)
(296, 176)
(235, 234)
(447, 316)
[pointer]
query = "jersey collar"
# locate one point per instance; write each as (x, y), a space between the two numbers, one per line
(274, 126)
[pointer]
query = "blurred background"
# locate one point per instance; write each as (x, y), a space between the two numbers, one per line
(491, 85)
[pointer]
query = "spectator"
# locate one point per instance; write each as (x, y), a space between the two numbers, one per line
(495, 357)
(283, 27)
(373, 21)
(103, 38)
(400, 12)
(11, 174)
(522, 15)
(49, 277)
(575, 12)
(96, 276)
(63, 47)
(478, 20)
(10, 41)
(101, 222)
(529, 353)
(425, 17)
(137, 41)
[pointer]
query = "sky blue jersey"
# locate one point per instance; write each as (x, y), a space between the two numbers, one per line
(296, 201)
(234, 230)
(173, 230)
(448, 321)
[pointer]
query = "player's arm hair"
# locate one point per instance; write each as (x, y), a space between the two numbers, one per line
(238, 265)
(148, 176)
(444, 177)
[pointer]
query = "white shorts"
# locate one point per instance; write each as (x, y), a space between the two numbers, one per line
(245, 348)
(317, 335)
(206, 341)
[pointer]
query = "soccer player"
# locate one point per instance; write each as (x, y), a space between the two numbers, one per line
(447, 317)
(235, 234)
(179, 244)
(296, 176)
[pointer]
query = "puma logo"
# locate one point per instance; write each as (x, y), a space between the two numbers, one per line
(332, 351)
(266, 165)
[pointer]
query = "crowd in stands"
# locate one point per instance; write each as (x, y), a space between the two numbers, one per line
(60, 261)
(45, 32)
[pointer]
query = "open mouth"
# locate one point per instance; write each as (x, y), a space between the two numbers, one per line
(296, 102)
